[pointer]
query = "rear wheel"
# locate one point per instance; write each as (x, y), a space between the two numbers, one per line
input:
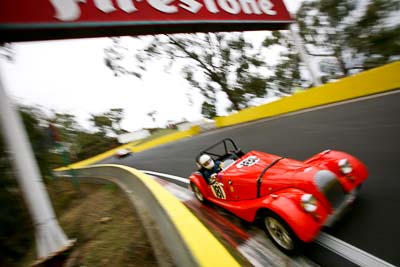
(280, 233)
(197, 193)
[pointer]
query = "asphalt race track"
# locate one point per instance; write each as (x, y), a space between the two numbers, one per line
(368, 129)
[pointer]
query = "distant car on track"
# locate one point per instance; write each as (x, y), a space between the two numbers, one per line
(123, 153)
(294, 199)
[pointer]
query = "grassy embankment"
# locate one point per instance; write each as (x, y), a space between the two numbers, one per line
(106, 226)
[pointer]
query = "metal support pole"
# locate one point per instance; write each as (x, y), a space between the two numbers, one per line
(304, 56)
(50, 238)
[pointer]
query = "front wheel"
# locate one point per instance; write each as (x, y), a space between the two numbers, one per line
(281, 234)
(197, 193)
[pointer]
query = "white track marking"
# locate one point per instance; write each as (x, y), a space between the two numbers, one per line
(350, 252)
(180, 193)
(173, 177)
(329, 242)
(260, 251)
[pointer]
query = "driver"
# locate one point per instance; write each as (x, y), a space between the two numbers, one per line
(211, 168)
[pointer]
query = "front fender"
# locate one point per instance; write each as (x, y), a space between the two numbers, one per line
(329, 160)
(286, 204)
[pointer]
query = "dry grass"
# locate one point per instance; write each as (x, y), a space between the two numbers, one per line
(107, 228)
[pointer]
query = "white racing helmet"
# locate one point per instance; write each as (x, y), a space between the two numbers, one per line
(206, 161)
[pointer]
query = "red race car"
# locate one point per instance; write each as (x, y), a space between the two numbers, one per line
(294, 199)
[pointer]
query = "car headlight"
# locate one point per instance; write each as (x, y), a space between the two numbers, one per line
(345, 166)
(309, 202)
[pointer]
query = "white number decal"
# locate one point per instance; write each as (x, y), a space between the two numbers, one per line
(247, 162)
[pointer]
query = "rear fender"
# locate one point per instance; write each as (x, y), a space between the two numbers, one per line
(199, 181)
(286, 204)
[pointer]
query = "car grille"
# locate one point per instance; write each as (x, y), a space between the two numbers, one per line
(329, 185)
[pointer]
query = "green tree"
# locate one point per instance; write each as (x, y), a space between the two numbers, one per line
(36, 125)
(91, 144)
(66, 127)
(152, 114)
(116, 115)
(377, 41)
(212, 63)
(67, 123)
(114, 56)
(109, 122)
(289, 72)
(102, 123)
(208, 110)
(350, 36)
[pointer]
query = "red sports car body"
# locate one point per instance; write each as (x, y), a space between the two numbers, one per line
(294, 198)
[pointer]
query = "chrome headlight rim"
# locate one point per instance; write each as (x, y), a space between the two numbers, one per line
(345, 166)
(308, 203)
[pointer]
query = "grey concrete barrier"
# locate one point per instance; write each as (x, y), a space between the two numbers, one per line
(188, 242)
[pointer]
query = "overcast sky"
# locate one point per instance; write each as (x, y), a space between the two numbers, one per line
(70, 76)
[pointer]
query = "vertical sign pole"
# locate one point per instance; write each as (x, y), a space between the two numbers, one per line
(50, 238)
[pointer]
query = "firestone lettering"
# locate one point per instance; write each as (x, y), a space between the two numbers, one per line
(190, 5)
(266, 7)
(69, 10)
(230, 6)
(127, 6)
(105, 5)
(163, 5)
(250, 7)
(211, 6)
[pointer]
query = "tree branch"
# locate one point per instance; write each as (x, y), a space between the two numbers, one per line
(191, 55)
(320, 55)
(213, 49)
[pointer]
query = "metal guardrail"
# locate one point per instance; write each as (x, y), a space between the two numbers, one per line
(187, 240)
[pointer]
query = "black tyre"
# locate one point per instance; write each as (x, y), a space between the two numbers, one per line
(281, 234)
(197, 193)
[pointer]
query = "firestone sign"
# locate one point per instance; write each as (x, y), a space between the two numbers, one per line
(54, 19)
(70, 10)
